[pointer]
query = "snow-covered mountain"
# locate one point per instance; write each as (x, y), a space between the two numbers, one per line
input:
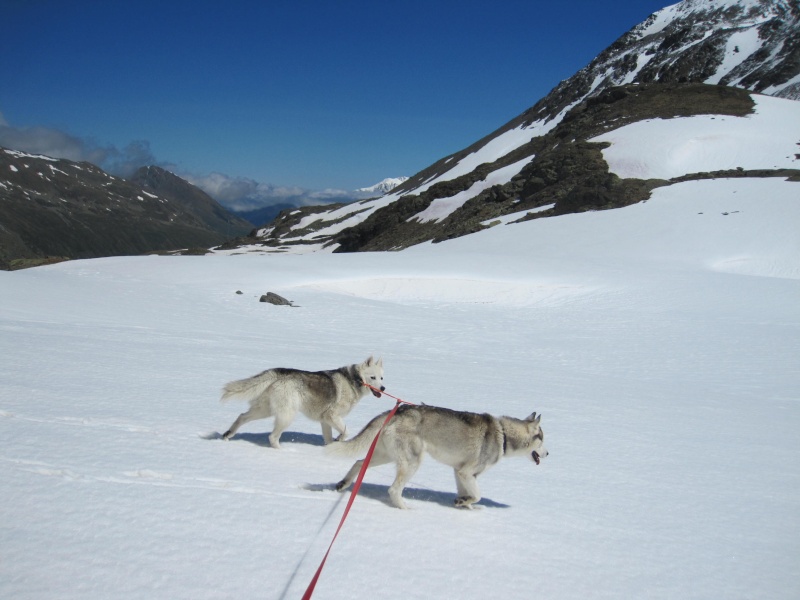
(383, 187)
(697, 57)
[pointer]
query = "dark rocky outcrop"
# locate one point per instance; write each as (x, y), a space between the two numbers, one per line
(276, 299)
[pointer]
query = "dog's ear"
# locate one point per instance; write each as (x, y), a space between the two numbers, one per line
(534, 418)
(380, 362)
(368, 362)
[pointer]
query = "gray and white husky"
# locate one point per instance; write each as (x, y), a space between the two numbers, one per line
(323, 396)
(468, 442)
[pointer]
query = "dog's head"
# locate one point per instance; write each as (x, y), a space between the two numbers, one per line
(371, 372)
(535, 449)
(538, 451)
(524, 437)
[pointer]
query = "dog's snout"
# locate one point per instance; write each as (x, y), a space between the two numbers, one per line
(383, 389)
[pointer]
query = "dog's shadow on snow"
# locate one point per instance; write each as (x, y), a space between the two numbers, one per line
(369, 490)
(262, 439)
(381, 493)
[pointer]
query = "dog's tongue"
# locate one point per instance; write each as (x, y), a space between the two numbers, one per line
(535, 456)
(376, 393)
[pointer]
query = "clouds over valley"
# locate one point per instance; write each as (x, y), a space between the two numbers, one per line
(243, 193)
(236, 193)
(55, 143)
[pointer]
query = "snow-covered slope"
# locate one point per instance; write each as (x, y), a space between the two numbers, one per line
(670, 148)
(763, 142)
(753, 44)
(748, 44)
(659, 341)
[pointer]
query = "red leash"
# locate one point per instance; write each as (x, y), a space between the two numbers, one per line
(356, 486)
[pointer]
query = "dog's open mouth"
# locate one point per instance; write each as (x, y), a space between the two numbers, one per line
(375, 393)
(535, 456)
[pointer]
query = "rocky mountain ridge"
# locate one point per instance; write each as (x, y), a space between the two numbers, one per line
(694, 57)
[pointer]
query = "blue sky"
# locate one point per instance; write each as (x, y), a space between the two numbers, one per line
(275, 98)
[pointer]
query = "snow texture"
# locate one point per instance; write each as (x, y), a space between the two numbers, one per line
(666, 148)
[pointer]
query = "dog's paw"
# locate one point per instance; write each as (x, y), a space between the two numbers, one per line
(340, 487)
(465, 502)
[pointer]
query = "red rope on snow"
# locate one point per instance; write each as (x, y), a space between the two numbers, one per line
(356, 487)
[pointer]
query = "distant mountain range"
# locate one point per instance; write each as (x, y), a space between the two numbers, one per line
(266, 214)
(694, 57)
(55, 209)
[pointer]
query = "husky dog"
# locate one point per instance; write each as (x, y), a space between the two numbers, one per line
(468, 442)
(323, 396)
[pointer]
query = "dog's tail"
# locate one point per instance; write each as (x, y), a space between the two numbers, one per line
(250, 388)
(360, 443)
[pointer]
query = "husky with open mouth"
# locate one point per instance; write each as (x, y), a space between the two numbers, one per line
(468, 442)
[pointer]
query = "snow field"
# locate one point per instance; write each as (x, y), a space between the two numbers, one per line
(659, 344)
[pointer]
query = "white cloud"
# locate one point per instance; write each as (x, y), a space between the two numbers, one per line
(58, 144)
(242, 193)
